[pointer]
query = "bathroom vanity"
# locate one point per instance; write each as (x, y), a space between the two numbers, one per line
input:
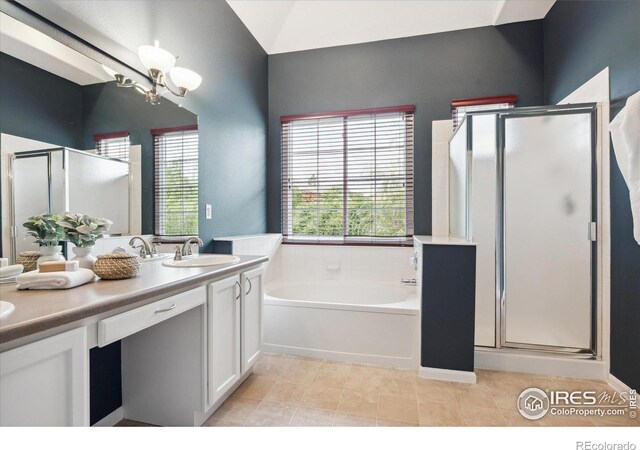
(189, 336)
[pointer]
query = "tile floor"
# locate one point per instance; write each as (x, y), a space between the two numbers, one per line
(293, 391)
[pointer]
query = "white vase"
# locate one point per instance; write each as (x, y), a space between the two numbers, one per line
(50, 254)
(84, 257)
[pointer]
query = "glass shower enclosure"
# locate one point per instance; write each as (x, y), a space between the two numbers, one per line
(522, 187)
(63, 179)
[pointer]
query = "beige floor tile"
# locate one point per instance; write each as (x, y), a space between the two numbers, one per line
(300, 375)
(361, 402)
(515, 419)
(482, 417)
(236, 409)
(397, 387)
(473, 395)
(505, 399)
(285, 392)
(213, 422)
(332, 375)
(439, 414)
(304, 363)
(345, 420)
(397, 408)
(364, 376)
(312, 417)
(321, 396)
(269, 364)
(399, 374)
(269, 414)
(433, 390)
(568, 421)
(255, 386)
(395, 423)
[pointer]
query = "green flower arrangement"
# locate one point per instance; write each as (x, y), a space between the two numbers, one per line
(45, 228)
(82, 230)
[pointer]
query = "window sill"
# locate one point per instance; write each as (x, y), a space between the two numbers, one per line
(403, 242)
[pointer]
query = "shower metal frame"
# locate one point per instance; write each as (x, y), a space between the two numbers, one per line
(501, 116)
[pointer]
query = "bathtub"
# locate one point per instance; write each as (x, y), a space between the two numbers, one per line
(363, 321)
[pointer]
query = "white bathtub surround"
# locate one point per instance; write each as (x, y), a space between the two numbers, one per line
(343, 303)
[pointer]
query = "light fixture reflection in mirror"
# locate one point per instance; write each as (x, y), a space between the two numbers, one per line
(160, 63)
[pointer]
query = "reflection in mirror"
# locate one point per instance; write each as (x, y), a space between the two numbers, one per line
(76, 140)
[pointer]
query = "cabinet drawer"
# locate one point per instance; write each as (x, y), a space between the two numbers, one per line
(125, 324)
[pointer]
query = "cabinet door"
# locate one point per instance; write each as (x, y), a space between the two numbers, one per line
(251, 311)
(45, 383)
(223, 310)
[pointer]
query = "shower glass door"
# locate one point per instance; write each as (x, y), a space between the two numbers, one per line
(547, 211)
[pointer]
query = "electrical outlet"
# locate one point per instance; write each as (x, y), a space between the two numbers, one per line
(208, 214)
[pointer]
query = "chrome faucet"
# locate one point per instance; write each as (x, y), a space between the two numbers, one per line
(186, 247)
(145, 250)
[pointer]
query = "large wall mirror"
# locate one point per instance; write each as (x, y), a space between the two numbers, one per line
(72, 140)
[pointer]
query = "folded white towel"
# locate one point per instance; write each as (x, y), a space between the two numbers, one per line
(11, 271)
(54, 280)
(625, 134)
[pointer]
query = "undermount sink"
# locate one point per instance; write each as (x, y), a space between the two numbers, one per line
(6, 308)
(203, 261)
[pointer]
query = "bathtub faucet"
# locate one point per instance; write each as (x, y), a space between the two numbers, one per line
(408, 282)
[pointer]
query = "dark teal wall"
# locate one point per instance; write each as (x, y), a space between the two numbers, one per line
(39, 105)
(581, 39)
(428, 71)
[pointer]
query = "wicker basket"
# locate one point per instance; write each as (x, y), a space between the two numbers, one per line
(117, 266)
(29, 260)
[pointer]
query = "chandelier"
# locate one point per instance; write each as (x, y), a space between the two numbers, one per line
(160, 65)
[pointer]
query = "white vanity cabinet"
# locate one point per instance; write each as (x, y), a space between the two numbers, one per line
(45, 383)
(235, 330)
(251, 312)
(223, 316)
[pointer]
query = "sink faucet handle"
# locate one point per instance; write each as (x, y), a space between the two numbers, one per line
(140, 249)
(178, 255)
(154, 248)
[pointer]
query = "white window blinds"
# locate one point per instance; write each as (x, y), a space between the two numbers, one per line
(176, 181)
(113, 145)
(462, 106)
(348, 176)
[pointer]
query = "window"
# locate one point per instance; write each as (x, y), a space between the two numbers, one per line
(176, 181)
(348, 177)
(461, 106)
(113, 145)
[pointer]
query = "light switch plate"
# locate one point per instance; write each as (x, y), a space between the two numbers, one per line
(207, 211)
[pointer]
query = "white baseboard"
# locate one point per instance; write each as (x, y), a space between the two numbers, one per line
(110, 419)
(617, 384)
(458, 376)
(515, 361)
(378, 360)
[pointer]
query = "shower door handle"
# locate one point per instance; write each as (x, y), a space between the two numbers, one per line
(593, 231)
